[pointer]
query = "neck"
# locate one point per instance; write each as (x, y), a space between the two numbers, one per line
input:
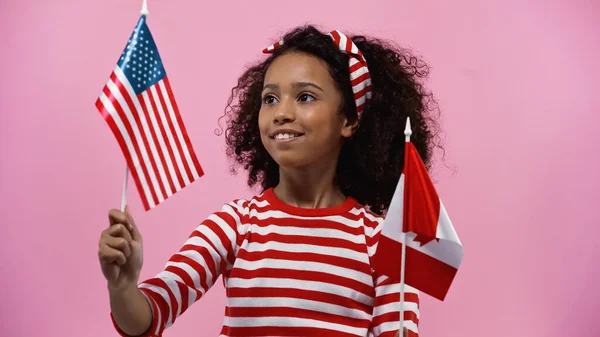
(309, 187)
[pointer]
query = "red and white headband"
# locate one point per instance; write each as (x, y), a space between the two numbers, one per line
(360, 78)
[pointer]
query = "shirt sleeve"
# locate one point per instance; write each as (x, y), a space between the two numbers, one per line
(207, 253)
(386, 307)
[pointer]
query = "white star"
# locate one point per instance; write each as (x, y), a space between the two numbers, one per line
(133, 68)
(141, 38)
(142, 32)
(159, 72)
(139, 71)
(133, 75)
(152, 52)
(147, 42)
(146, 61)
(139, 86)
(134, 48)
(133, 61)
(122, 58)
(128, 66)
(155, 62)
(135, 35)
(127, 59)
(146, 49)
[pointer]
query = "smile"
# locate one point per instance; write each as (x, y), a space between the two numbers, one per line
(286, 136)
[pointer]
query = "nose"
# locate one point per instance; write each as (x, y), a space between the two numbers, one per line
(285, 113)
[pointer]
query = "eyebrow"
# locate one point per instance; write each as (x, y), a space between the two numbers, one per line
(295, 84)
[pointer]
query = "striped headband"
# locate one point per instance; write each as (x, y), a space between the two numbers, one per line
(360, 78)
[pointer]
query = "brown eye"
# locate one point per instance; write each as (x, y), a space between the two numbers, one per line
(306, 98)
(269, 99)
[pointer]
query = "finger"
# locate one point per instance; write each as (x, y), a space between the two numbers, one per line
(110, 255)
(116, 217)
(135, 232)
(118, 243)
(119, 231)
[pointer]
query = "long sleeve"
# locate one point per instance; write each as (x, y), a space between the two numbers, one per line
(208, 252)
(386, 308)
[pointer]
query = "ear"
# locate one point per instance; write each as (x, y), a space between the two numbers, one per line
(349, 127)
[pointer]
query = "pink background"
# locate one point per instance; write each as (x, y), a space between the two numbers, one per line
(518, 84)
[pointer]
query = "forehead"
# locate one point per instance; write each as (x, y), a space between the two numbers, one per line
(298, 67)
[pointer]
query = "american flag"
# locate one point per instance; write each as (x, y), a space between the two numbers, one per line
(138, 104)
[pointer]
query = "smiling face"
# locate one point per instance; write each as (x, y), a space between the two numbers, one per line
(300, 119)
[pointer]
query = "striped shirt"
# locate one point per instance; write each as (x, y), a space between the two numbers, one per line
(287, 271)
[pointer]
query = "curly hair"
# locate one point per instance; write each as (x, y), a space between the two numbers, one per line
(371, 161)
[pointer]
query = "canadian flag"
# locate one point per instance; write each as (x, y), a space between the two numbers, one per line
(417, 216)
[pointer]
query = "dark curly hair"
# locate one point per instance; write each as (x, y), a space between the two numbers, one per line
(370, 162)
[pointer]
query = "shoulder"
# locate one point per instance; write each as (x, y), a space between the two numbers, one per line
(371, 221)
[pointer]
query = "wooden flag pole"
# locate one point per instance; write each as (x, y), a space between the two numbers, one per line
(407, 134)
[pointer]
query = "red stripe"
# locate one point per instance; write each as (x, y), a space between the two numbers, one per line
(175, 137)
(187, 278)
(158, 146)
(338, 261)
(336, 38)
(138, 121)
(185, 297)
(128, 157)
(309, 240)
(360, 79)
(307, 223)
(297, 313)
(423, 272)
(356, 66)
(206, 257)
(158, 304)
(333, 280)
(282, 331)
(362, 92)
(161, 125)
(183, 129)
(310, 295)
(394, 316)
(172, 300)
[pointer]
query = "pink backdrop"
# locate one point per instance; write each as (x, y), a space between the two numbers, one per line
(518, 85)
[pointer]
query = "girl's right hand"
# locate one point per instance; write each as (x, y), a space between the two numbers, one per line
(120, 251)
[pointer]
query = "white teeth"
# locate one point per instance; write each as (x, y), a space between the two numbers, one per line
(284, 136)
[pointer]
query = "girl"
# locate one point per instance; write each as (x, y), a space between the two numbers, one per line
(319, 125)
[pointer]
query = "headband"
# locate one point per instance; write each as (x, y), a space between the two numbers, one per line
(360, 78)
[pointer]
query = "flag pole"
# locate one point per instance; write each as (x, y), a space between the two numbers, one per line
(144, 10)
(124, 195)
(407, 134)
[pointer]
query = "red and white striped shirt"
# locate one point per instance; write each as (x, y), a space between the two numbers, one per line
(287, 271)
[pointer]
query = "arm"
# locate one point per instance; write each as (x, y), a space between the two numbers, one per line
(188, 275)
(386, 310)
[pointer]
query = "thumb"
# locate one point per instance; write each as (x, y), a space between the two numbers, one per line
(135, 232)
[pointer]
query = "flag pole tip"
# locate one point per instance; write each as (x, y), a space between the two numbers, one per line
(407, 130)
(144, 10)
